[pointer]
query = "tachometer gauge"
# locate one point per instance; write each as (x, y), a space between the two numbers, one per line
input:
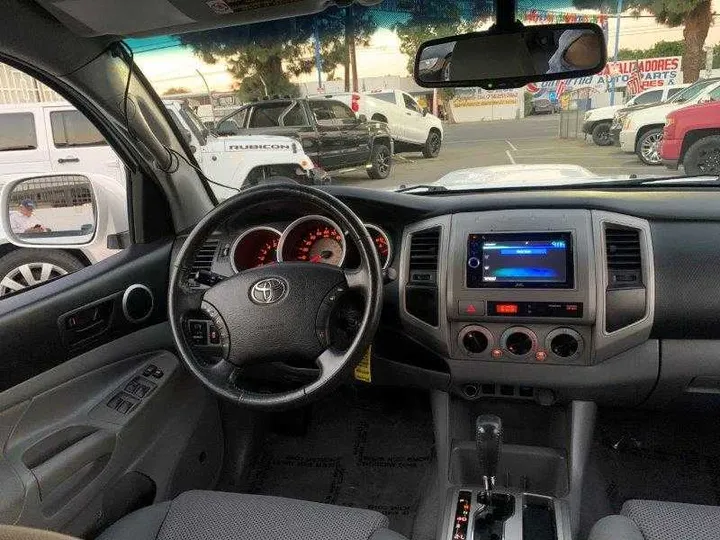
(255, 247)
(312, 239)
(382, 243)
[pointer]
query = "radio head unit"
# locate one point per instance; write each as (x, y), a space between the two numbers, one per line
(520, 260)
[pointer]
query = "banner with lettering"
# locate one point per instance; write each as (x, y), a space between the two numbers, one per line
(653, 72)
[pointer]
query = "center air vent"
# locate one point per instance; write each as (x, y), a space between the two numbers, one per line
(421, 293)
(205, 256)
(424, 252)
(624, 260)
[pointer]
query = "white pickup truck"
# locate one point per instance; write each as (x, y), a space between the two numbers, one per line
(412, 127)
(56, 139)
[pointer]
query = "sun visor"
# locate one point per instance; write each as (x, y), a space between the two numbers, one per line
(141, 18)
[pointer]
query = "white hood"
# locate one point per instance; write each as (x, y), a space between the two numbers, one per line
(504, 176)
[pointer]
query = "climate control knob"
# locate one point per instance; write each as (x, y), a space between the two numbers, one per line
(474, 339)
(518, 341)
(564, 343)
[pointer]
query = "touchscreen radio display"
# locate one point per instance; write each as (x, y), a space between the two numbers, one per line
(510, 260)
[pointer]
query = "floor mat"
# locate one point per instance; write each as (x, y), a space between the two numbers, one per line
(663, 456)
(363, 447)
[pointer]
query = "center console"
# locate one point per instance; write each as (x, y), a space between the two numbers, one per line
(521, 290)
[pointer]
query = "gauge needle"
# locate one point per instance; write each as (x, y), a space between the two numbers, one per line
(315, 258)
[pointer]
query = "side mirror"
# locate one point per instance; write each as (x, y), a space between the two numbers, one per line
(362, 118)
(520, 56)
(51, 210)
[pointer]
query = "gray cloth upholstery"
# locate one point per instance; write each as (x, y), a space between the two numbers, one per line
(209, 515)
(671, 521)
(615, 528)
(656, 520)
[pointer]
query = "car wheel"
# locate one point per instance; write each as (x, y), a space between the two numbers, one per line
(26, 267)
(380, 162)
(648, 147)
(601, 134)
(703, 157)
(432, 144)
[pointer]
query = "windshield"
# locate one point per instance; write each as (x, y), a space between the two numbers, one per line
(463, 138)
(692, 91)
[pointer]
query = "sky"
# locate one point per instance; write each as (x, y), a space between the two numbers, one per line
(168, 64)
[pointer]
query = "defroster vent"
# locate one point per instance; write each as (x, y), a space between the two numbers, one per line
(624, 258)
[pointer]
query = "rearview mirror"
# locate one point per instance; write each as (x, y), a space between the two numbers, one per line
(511, 59)
(53, 210)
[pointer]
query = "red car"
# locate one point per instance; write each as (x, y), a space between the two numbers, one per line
(691, 138)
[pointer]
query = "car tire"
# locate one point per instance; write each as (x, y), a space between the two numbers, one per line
(431, 149)
(42, 265)
(380, 162)
(647, 148)
(703, 157)
(601, 134)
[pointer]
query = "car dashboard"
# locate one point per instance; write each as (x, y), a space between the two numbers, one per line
(602, 295)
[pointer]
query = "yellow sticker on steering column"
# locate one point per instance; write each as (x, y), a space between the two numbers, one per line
(362, 370)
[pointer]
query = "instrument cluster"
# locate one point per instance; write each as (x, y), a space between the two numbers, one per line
(314, 238)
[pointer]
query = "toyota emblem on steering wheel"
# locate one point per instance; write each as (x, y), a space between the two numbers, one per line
(268, 291)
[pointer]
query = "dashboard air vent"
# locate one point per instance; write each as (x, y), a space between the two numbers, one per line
(205, 256)
(624, 259)
(424, 253)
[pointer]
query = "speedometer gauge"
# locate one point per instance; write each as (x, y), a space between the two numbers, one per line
(312, 239)
(382, 244)
(255, 247)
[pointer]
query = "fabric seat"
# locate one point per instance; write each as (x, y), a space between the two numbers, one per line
(656, 520)
(211, 515)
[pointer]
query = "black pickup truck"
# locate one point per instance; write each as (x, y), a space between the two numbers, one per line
(330, 132)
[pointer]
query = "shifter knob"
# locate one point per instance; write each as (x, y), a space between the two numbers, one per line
(488, 437)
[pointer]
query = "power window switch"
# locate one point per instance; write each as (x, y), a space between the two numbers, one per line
(158, 373)
(114, 402)
(149, 370)
(124, 407)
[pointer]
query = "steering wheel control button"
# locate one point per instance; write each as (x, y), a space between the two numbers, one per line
(470, 308)
(268, 291)
(214, 335)
(198, 332)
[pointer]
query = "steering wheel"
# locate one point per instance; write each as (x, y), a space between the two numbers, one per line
(278, 311)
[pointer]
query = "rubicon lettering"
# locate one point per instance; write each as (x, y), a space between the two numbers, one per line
(260, 147)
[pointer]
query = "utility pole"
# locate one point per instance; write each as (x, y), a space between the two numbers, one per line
(318, 57)
(617, 46)
(209, 93)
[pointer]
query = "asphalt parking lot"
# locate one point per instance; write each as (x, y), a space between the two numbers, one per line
(526, 141)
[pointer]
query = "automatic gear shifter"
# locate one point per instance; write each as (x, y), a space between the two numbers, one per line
(488, 437)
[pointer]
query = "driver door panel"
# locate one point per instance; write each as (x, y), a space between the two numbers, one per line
(70, 462)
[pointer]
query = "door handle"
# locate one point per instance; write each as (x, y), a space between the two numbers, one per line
(69, 160)
(408, 113)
